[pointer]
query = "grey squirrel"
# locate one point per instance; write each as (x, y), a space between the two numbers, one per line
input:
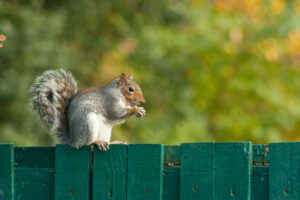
(87, 117)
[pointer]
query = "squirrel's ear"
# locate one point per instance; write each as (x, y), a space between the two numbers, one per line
(122, 79)
(130, 76)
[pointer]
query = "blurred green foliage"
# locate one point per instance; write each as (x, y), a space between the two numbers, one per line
(210, 70)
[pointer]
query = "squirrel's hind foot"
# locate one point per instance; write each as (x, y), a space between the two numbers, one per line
(102, 146)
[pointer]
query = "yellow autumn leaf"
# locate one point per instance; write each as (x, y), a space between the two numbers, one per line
(2, 38)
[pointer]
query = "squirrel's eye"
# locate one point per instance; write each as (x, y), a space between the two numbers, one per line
(131, 89)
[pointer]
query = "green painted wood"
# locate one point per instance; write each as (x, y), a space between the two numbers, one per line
(171, 183)
(34, 183)
(34, 177)
(171, 178)
(35, 157)
(260, 173)
(260, 183)
(72, 167)
(233, 171)
(7, 174)
(197, 171)
(145, 171)
(172, 154)
(109, 173)
(284, 173)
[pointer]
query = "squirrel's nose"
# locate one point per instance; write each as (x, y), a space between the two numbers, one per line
(143, 100)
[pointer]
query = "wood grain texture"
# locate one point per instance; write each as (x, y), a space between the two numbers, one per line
(284, 173)
(72, 167)
(233, 171)
(7, 173)
(197, 171)
(145, 171)
(171, 178)
(34, 177)
(109, 173)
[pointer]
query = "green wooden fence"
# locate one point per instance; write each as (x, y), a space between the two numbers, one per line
(200, 171)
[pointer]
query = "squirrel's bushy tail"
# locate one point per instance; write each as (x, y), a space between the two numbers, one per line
(50, 95)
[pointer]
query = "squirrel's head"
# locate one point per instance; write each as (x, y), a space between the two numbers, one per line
(130, 90)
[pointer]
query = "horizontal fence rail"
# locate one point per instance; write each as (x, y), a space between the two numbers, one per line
(200, 171)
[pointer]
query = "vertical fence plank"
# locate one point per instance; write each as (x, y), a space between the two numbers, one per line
(109, 173)
(145, 171)
(171, 186)
(34, 175)
(260, 173)
(284, 173)
(72, 173)
(196, 173)
(6, 172)
(233, 171)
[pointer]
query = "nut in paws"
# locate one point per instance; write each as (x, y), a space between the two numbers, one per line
(140, 112)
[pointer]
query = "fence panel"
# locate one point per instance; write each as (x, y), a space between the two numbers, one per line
(109, 173)
(6, 172)
(34, 175)
(210, 171)
(72, 168)
(145, 171)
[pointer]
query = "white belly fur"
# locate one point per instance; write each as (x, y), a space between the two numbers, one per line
(99, 127)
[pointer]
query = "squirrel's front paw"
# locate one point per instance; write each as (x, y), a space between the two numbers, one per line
(140, 112)
(102, 146)
(117, 142)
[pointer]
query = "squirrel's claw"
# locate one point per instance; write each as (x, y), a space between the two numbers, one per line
(102, 146)
(141, 112)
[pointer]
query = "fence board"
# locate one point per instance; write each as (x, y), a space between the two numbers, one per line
(171, 179)
(145, 171)
(34, 177)
(172, 154)
(284, 173)
(233, 171)
(34, 183)
(109, 173)
(260, 173)
(196, 173)
(35, 157)
(6, 172)
(72, 168)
